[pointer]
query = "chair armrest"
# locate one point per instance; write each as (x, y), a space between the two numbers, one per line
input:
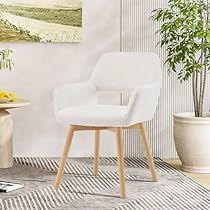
(74, 94)
(143, 102)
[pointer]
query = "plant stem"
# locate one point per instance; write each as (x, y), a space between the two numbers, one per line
(201, 83)
(200, 105)
(203, 91)
(203, 74)
(196, 93)
(195, 99)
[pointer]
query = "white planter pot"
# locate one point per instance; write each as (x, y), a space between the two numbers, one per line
(192, 141)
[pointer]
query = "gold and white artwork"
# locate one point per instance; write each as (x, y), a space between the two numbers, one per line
(40, 20)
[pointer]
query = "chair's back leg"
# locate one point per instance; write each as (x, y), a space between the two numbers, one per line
(148, 152)
(96, 152)
(64, 156)
(120, 160)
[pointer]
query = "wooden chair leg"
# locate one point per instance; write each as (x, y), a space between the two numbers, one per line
(64, 156)
(148, 152)
(96, 152)
(120, 160)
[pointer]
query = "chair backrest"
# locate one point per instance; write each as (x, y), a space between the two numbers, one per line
(126, 70)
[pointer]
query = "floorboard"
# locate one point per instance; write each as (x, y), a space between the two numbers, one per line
(203, 179)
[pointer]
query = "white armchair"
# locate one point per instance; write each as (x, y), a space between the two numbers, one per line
(76, 104)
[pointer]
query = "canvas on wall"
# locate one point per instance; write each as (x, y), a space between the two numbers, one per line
(40, 20)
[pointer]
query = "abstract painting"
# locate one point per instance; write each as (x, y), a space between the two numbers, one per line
(40, 20)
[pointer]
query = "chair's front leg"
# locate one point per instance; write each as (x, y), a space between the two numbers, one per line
(96, 152)
(64, 156)
(148, 152)
(120, 160)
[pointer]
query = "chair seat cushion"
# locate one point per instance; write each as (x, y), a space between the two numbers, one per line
(93, 115)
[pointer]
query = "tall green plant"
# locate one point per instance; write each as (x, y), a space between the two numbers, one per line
(5, 60)
(185, 34)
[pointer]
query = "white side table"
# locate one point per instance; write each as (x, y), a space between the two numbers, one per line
(6, 131)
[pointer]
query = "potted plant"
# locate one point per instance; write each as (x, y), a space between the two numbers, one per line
(185, 35)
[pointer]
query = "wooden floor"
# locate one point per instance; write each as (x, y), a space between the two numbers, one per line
(203, 179)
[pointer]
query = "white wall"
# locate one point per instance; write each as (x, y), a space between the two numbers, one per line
(41, 67)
